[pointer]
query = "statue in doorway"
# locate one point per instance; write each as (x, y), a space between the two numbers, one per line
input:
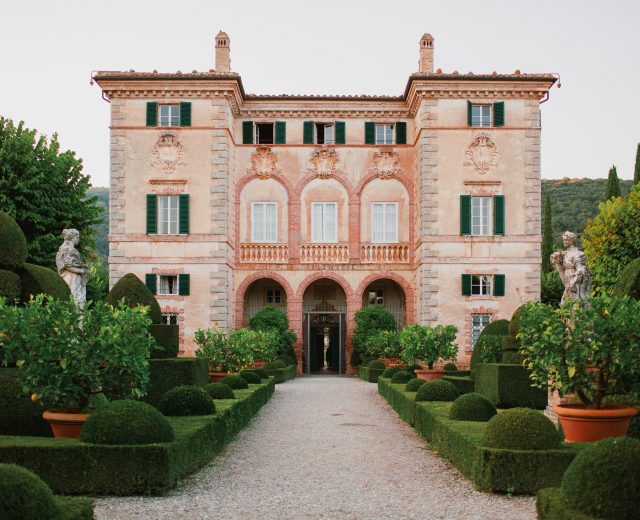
(72, 268)
(571, 265)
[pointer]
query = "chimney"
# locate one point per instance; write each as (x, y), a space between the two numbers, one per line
(425, 65)
(223, 60)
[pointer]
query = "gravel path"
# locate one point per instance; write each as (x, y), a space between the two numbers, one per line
(324, 447)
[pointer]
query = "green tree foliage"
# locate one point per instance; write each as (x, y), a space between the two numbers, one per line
(369, 320)
(44, 190)
(551, 288)
(636, 170)
(101, 229)
(547, 235)
(613, 184)
(612, 239)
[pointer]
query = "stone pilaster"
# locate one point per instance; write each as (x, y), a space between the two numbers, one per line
(533, 196)
(116, 185)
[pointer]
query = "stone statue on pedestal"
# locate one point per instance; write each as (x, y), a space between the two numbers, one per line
(571, 265)
(72, 268)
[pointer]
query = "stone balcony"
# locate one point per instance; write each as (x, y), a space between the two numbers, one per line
(264, 253)
(337, 253)
(384, 253)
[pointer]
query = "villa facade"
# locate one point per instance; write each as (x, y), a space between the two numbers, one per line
(426, 203)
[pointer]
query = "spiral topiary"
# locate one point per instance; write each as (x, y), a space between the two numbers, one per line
(135, 293)
(219, 391)
(438, 390)
(472, 407)
(414, 384)
(261, 372)
(13, 244)
(187, 400)
(274, 365)
(401, 377)
(521, 429)
(602, 480)
(235, 382)
(450, 367)
(390, 371)
(376, 364)
(24, 495)
(250, 377)
(126, 422)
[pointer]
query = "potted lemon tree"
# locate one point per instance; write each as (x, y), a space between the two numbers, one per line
(227, 354)
(428, 345)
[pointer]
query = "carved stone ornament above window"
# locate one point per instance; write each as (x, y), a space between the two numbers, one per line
(385, 164)
(264, 163)
(481, 154)
(168, 152)
(324, 160)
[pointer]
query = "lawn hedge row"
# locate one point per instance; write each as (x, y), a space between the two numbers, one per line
(370, 375)
(280, 375)
(72, 467)
(490, 469)
(551, 505)
(508, 386)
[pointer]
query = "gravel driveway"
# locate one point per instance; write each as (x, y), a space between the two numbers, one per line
(324, 447)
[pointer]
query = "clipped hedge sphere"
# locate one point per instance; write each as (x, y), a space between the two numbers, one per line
(388, 373)
(521, 429)
(235, 382)
(187, 400)
(219, 391)
(438, 390)
(414, 384)
(25, 496)
(401, 377)
(250, 377)
(472, 407)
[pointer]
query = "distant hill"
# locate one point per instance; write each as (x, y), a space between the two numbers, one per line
(101, 230)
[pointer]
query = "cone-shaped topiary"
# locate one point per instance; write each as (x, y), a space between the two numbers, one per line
(35, 279)
(261, 372)
(219, 391)
(602, 481)
(126, 422)
(274, 365)
(9, 286)
(135, 293)
(376, 363)
(521, 429)
(439, 390)
(449, 367)
(472, 407)
(250, 377)
(390, 371)
(414, 384)
(24, 495)
(514, 324)
(400, 377)
(235, 382)
(187, 400)
(13, 244)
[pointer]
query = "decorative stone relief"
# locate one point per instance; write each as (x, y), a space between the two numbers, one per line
(264, 163)
(168, 152)
(385, 164)
(324, 160)
(481, 154)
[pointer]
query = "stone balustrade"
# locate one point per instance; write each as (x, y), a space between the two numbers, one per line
(264, 253)
(384, 253)
(324, 253)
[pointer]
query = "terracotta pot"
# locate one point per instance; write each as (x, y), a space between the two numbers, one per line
(214, 377)
(581, 424)
(396, 365)
(258, 364)
(65, 423)
(429, 374)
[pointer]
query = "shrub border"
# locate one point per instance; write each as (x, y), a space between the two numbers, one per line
(551, 505)
(464, 384)
(370, 375)
(280, 375)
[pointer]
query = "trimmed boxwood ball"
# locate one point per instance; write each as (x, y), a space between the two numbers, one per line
(250, 377)
(219, 391)
(135, 293)
(261, 372)
(235, 382)
(35, 279)
(401, 377)
(414, 384)
(274, 365)
(377, 364)
(603, 481)
(449, 367)
(9, 286)
(25, 496)
(472, 407)
(13, 244)
(187, 400)
(439, 390)
(388, 372)
(521, 429)
(126, 422)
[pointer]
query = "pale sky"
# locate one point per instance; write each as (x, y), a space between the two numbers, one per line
(48, 50)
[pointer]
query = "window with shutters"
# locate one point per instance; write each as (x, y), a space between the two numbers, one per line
(480, 216)
(478, 322)
(265, 133)
(384, 222)
(168, 214)
(170, 318)
(325, 133)
(384, 134)
(324, 222)
(169, 115)
(376, 297)
(481, 284)
(481, 116)
(273, 297)
(264, 222)
(167, 284)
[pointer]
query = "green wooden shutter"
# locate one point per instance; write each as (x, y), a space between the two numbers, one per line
(185, 113)
(498, 285)
(184, 283)
(369, 133)
(281, 132)
(150, 282)
(469, 113)
(466, 285)
(152, 113)
(247, 132)
(152, 214)
(498, 215)
(498, 113)
(401, 132)
(183, 214)
(307, 132)
(465, 214)
(340, 133)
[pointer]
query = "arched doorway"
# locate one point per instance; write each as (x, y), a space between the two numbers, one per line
(388, 294)
(324, 330)
(261, 293)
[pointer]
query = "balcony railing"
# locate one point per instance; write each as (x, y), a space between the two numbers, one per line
(324, 253)
(264, 253)
(384, 253)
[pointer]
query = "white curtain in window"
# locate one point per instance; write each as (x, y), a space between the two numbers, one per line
(257, 220)
(316, 222)
(330, 221)
(377, 217)
(168, 214)
(392, 224)
(324, 222)
(270, 222)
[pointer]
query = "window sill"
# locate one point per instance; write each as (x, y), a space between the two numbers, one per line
(175, 297)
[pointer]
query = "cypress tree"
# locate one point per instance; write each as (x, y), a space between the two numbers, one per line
(636, 170)
(613, 184)
(547, 235)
